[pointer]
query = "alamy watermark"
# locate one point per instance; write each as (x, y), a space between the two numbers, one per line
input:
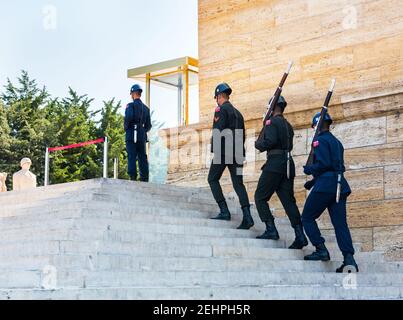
(49, 278)
(350, 281)
(201, 148)
(50, 17)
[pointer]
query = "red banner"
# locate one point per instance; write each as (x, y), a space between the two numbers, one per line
(77, 145)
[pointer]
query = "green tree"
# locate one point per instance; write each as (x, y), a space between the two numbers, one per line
(30, 121)
(111, 126)
(24, 106)
(5, 140)
(74, 122)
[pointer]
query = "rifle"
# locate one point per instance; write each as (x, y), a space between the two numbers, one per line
(317, 132)
(273, 101)
(321, 119)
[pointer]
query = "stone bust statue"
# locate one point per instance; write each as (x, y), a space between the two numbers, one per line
(3, 177)
(24, 179)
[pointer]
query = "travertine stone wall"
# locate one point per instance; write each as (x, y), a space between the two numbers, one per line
(360, 43)
(248, 44)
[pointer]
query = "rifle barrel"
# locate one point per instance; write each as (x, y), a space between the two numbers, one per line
(332, 85)
(330, 93)
(289, 67)
(323, 112)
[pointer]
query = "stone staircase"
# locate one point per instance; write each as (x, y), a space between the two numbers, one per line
(112, 239)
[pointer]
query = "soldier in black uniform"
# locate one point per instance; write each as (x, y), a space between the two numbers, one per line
(137, 124)
(228, 146)
(278, 176)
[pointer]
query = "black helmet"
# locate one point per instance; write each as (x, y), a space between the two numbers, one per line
(136, 88)
(326, 118)
(222, 88)
(281, 102)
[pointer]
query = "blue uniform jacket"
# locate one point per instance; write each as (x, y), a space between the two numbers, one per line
(137, 113)
(328, 163)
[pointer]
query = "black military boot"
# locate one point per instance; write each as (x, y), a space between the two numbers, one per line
(348, 264)
(224, 212)
(300, 238)
(133, 178)
(144, 179)
(321, 254)
(271, 232)
(247, 221)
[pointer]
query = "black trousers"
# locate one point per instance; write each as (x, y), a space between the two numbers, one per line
(270, 183)
(215, 174)
(137, 151)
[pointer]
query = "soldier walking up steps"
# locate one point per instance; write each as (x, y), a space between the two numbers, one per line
(330, 190)
(278, 175)
(228, 142)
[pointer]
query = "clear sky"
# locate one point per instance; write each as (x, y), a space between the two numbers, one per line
(90, 44)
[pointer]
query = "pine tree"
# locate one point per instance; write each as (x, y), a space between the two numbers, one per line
(74, 122)
(24, 108)
(111, 126)
(5, 142)
(4, 134)
(30, 121)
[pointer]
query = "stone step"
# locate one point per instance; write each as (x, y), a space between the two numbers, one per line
(111, 224)
(146, 237)
(104, 279)
(205, 203)
(147, 249)
(116, 262)
(50, 191)
(117, 188)
(136, 200)
(154, 191)
(106, 184)
(101, 202)
(85, 234)
(58, 231)
(236, 212)
(245, 293)
(18, 201)
(163, 188)
(52, 211)
(226, 278)
(235, 264)
(96, 195)
(141, 215)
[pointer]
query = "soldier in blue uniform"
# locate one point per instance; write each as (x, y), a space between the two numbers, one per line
(328, 173)
(137, 124)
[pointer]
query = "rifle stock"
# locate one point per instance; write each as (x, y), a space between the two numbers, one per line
(321, 119)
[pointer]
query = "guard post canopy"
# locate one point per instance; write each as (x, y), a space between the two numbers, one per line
(178, 74)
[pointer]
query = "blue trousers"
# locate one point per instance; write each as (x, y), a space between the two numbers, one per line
(315, 205)
(137, 151)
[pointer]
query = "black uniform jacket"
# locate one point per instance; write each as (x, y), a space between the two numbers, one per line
(277, 142)
(228, 140)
